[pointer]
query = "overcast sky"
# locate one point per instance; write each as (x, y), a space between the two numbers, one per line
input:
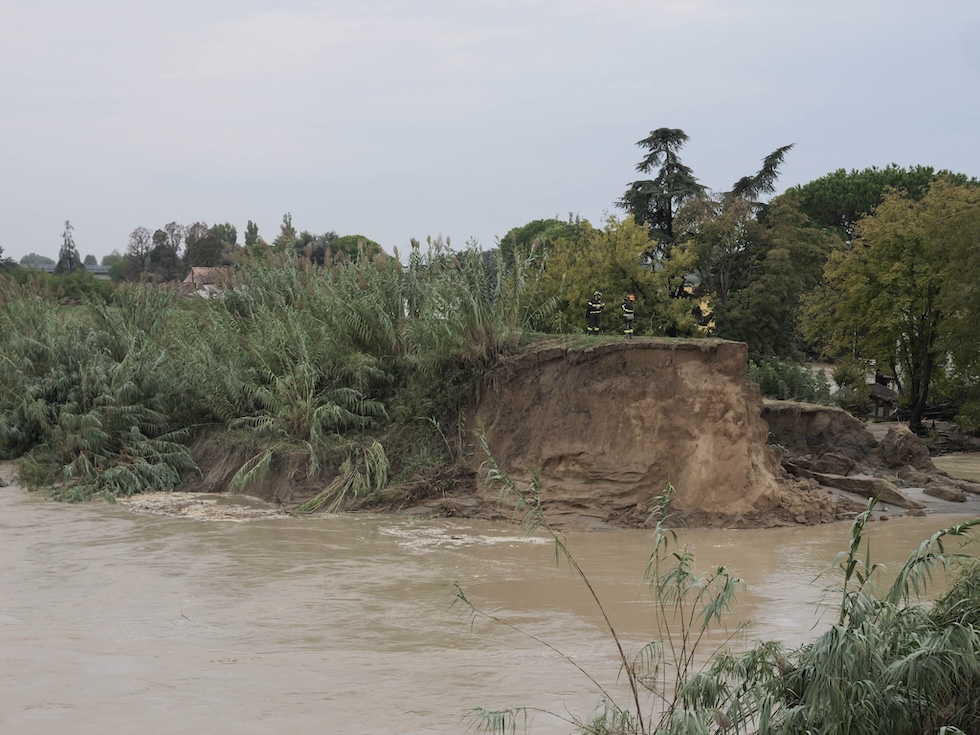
(396, 119)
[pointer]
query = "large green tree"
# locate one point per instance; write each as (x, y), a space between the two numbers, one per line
(164, 260)
(207, 250)
(286, 239)
(840, 199)
(543, 232)
(137, 253)
(903, 295)
(752, 260)
(354, 246)
(6, 263)
(613, 260)
(228, 234)
(251, 234)
(754, 274)
(318, 249)
(654, 202)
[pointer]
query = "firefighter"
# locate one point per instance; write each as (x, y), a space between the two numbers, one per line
(593, 311)
(629, 312)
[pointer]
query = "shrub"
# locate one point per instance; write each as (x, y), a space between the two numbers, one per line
(790, 381)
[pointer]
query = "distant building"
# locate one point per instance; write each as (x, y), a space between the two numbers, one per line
(204, 282)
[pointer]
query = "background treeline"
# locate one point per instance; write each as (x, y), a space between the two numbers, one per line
(169, 252)
(328, 349)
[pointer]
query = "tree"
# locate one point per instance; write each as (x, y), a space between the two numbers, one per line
(90, 260)
(202, 247)
(613, 261)
(897, 297)
(753, 273)
(286, 239)
(204, 251)
(354, 246)
(228, 234)
(840, 199)
(175, 235)
(164, 261)
(68, 258)
(6, 264)
(251, 234)
(958, 223)
(33, 260)
(194, 232)
(115, 262)
(766, 279)
(751, 188)
(113, 258)
(653, 202)
(137, 253)
(209, 247)
(543, 232)
(318, 249)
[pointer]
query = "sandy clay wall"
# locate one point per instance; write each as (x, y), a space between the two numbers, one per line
(610, 425)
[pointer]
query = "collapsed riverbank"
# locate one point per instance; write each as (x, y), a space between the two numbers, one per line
(610, 423)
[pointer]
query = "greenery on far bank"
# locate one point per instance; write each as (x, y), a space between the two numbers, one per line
(326, 358)
(891, 663)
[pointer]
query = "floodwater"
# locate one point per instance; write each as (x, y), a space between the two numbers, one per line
(113, 622)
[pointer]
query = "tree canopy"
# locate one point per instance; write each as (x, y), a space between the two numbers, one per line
(68, 257)
(653, 202)
(613, 260)
(545, 232)
(904, 294)
(33, 260)
(656, 202)
(838, 200)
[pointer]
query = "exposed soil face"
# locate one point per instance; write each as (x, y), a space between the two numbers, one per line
(856, 460)
(611, 424)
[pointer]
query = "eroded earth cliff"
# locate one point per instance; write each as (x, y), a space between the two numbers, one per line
(609, 425)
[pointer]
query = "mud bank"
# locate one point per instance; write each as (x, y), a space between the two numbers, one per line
(610, 425)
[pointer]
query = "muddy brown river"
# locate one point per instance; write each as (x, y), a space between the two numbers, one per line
(113, 621)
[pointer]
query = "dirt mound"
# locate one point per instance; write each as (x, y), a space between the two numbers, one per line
(833, 449)
(610, 424)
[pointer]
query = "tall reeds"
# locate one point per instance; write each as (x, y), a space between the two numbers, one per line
(85, 396)
(337, 364)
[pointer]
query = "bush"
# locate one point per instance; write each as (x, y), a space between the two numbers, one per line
(790, 381)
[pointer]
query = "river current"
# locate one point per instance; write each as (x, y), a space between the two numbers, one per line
(113, 622)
